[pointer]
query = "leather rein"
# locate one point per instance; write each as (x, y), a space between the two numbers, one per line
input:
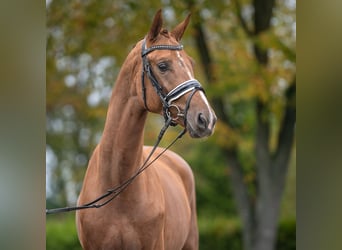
(170, 120)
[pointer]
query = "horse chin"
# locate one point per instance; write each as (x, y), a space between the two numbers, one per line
(196, 133)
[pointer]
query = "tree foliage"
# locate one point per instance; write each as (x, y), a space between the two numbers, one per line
(246, 66)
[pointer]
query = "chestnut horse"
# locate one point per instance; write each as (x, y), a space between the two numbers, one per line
(158, 209)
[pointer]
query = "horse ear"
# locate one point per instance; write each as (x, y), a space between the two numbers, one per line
(156, 25)
(178, 31)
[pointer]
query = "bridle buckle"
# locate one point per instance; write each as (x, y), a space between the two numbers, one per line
(171, 115)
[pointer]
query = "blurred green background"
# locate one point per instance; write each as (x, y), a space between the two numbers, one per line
(245, 53)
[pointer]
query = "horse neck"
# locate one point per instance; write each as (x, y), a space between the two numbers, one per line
(121, 145)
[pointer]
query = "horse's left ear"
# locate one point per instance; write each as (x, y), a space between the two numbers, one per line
(178, 31)
(156, 25)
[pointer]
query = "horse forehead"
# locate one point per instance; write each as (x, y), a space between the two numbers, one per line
(176, 55)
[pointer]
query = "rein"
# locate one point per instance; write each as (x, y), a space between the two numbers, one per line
(114, 192)
(166, 99)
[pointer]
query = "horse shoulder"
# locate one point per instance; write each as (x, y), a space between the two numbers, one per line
(171, 162)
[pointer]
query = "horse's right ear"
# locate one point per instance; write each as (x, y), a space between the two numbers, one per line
(156, 26)
(180, 28)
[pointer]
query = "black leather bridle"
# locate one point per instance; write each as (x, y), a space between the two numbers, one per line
(176, 93)
(166, 99)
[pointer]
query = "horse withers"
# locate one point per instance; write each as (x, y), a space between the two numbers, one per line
(158, 209)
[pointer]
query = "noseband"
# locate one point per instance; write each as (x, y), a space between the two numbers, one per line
(176, 93)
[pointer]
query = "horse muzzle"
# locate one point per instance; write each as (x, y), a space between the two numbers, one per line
(201, 123)
(197, 115)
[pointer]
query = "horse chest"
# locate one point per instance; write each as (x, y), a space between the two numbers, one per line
(137, 228)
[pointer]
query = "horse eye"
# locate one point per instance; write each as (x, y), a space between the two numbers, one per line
(163, 67)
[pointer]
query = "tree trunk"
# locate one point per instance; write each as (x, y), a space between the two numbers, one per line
(244, 203)
(260, 213)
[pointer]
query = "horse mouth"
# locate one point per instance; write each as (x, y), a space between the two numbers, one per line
(199, 132)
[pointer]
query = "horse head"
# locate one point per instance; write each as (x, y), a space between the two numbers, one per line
(168, 83)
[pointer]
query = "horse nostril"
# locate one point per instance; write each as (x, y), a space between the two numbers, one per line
(202, 121)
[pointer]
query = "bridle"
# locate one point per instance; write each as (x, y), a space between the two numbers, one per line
(176, 93)
(170, 120)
